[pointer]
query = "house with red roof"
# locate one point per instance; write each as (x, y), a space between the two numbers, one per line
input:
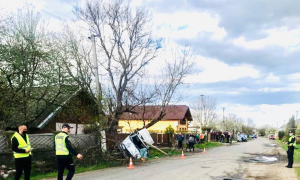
(178, 116)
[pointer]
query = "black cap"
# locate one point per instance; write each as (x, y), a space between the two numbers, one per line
(66, 125)
(291, 131)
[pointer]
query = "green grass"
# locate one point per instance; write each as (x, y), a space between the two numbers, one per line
(155, 153)
(78, 170)
(152, 154)
(207, 145)
(296, 155)
(297, 169)
(296, 151)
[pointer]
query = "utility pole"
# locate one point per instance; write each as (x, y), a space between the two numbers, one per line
(296, 118)
(223, 120)
(201, 110)
(98, 93)
(98, 88)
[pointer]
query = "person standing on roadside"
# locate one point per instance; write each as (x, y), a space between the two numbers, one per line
(291, 147)
(64, 153)
(197, 137)
(222, 137)
(230, 138)
(201, 138)
(180, 139)
(21, 148)
(191, 142)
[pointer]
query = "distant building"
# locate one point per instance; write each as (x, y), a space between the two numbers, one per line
(177, 116)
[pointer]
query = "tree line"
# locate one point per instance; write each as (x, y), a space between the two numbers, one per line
(204, 111)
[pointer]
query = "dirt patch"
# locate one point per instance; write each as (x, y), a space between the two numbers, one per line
(236, 175)
(269, 171)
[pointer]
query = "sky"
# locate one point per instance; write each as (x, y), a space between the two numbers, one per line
(247, 52)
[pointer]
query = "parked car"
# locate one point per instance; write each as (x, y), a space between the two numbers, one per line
(253, 136)
(242, 138)
(272, 136)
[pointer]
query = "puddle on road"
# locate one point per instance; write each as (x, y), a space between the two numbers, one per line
(262, 159)
(226, 178)
(271, 145)
(205, 167)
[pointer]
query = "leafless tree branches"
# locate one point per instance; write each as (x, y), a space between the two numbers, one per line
(125, 45)
(207, 115)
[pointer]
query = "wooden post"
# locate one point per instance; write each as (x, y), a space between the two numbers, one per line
(155, 148)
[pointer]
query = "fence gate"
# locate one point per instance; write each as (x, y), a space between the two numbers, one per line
(160, 138)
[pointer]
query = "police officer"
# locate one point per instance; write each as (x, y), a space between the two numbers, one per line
(290, 152)
(64, 153)
(21, 148)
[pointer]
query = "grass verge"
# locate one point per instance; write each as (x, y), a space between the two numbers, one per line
(296, 155)
(152, 154)
(155, 153)
(78, 170)
(207, 145)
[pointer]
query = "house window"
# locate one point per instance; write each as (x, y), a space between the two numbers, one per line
(183, 122)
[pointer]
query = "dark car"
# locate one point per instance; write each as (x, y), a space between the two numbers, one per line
(271, 136)
(253, 136)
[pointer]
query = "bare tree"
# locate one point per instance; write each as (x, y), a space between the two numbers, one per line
(209, 110)
(175, 72)
(125, 47)
(250, 122)
(230, 122)
(209, 115)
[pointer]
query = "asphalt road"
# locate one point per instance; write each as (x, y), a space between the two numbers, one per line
(225, 162)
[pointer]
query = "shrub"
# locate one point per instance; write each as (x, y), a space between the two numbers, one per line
(280, 134)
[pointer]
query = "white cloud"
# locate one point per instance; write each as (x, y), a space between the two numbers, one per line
(280, 36)
(216, 71)
(272, 79)
(212, 92)
(14, 5)
(187, 25)
(293, 87)
(294, 77)
(262, 114)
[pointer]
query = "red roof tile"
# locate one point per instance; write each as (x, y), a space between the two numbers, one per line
(173, 112)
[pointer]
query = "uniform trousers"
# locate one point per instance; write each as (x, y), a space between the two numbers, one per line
(290, 155)
(23, 164)
(65, 162)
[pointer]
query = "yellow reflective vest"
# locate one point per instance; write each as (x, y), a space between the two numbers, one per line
(290, 139)
(60, 144)
(22, 145)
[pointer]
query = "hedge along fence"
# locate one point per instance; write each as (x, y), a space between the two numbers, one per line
(43, 155)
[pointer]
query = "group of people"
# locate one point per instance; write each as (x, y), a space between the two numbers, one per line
(228, 136)
(191, 141)
(63, 150)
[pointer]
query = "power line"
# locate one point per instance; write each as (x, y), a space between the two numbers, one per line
(49, 12)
